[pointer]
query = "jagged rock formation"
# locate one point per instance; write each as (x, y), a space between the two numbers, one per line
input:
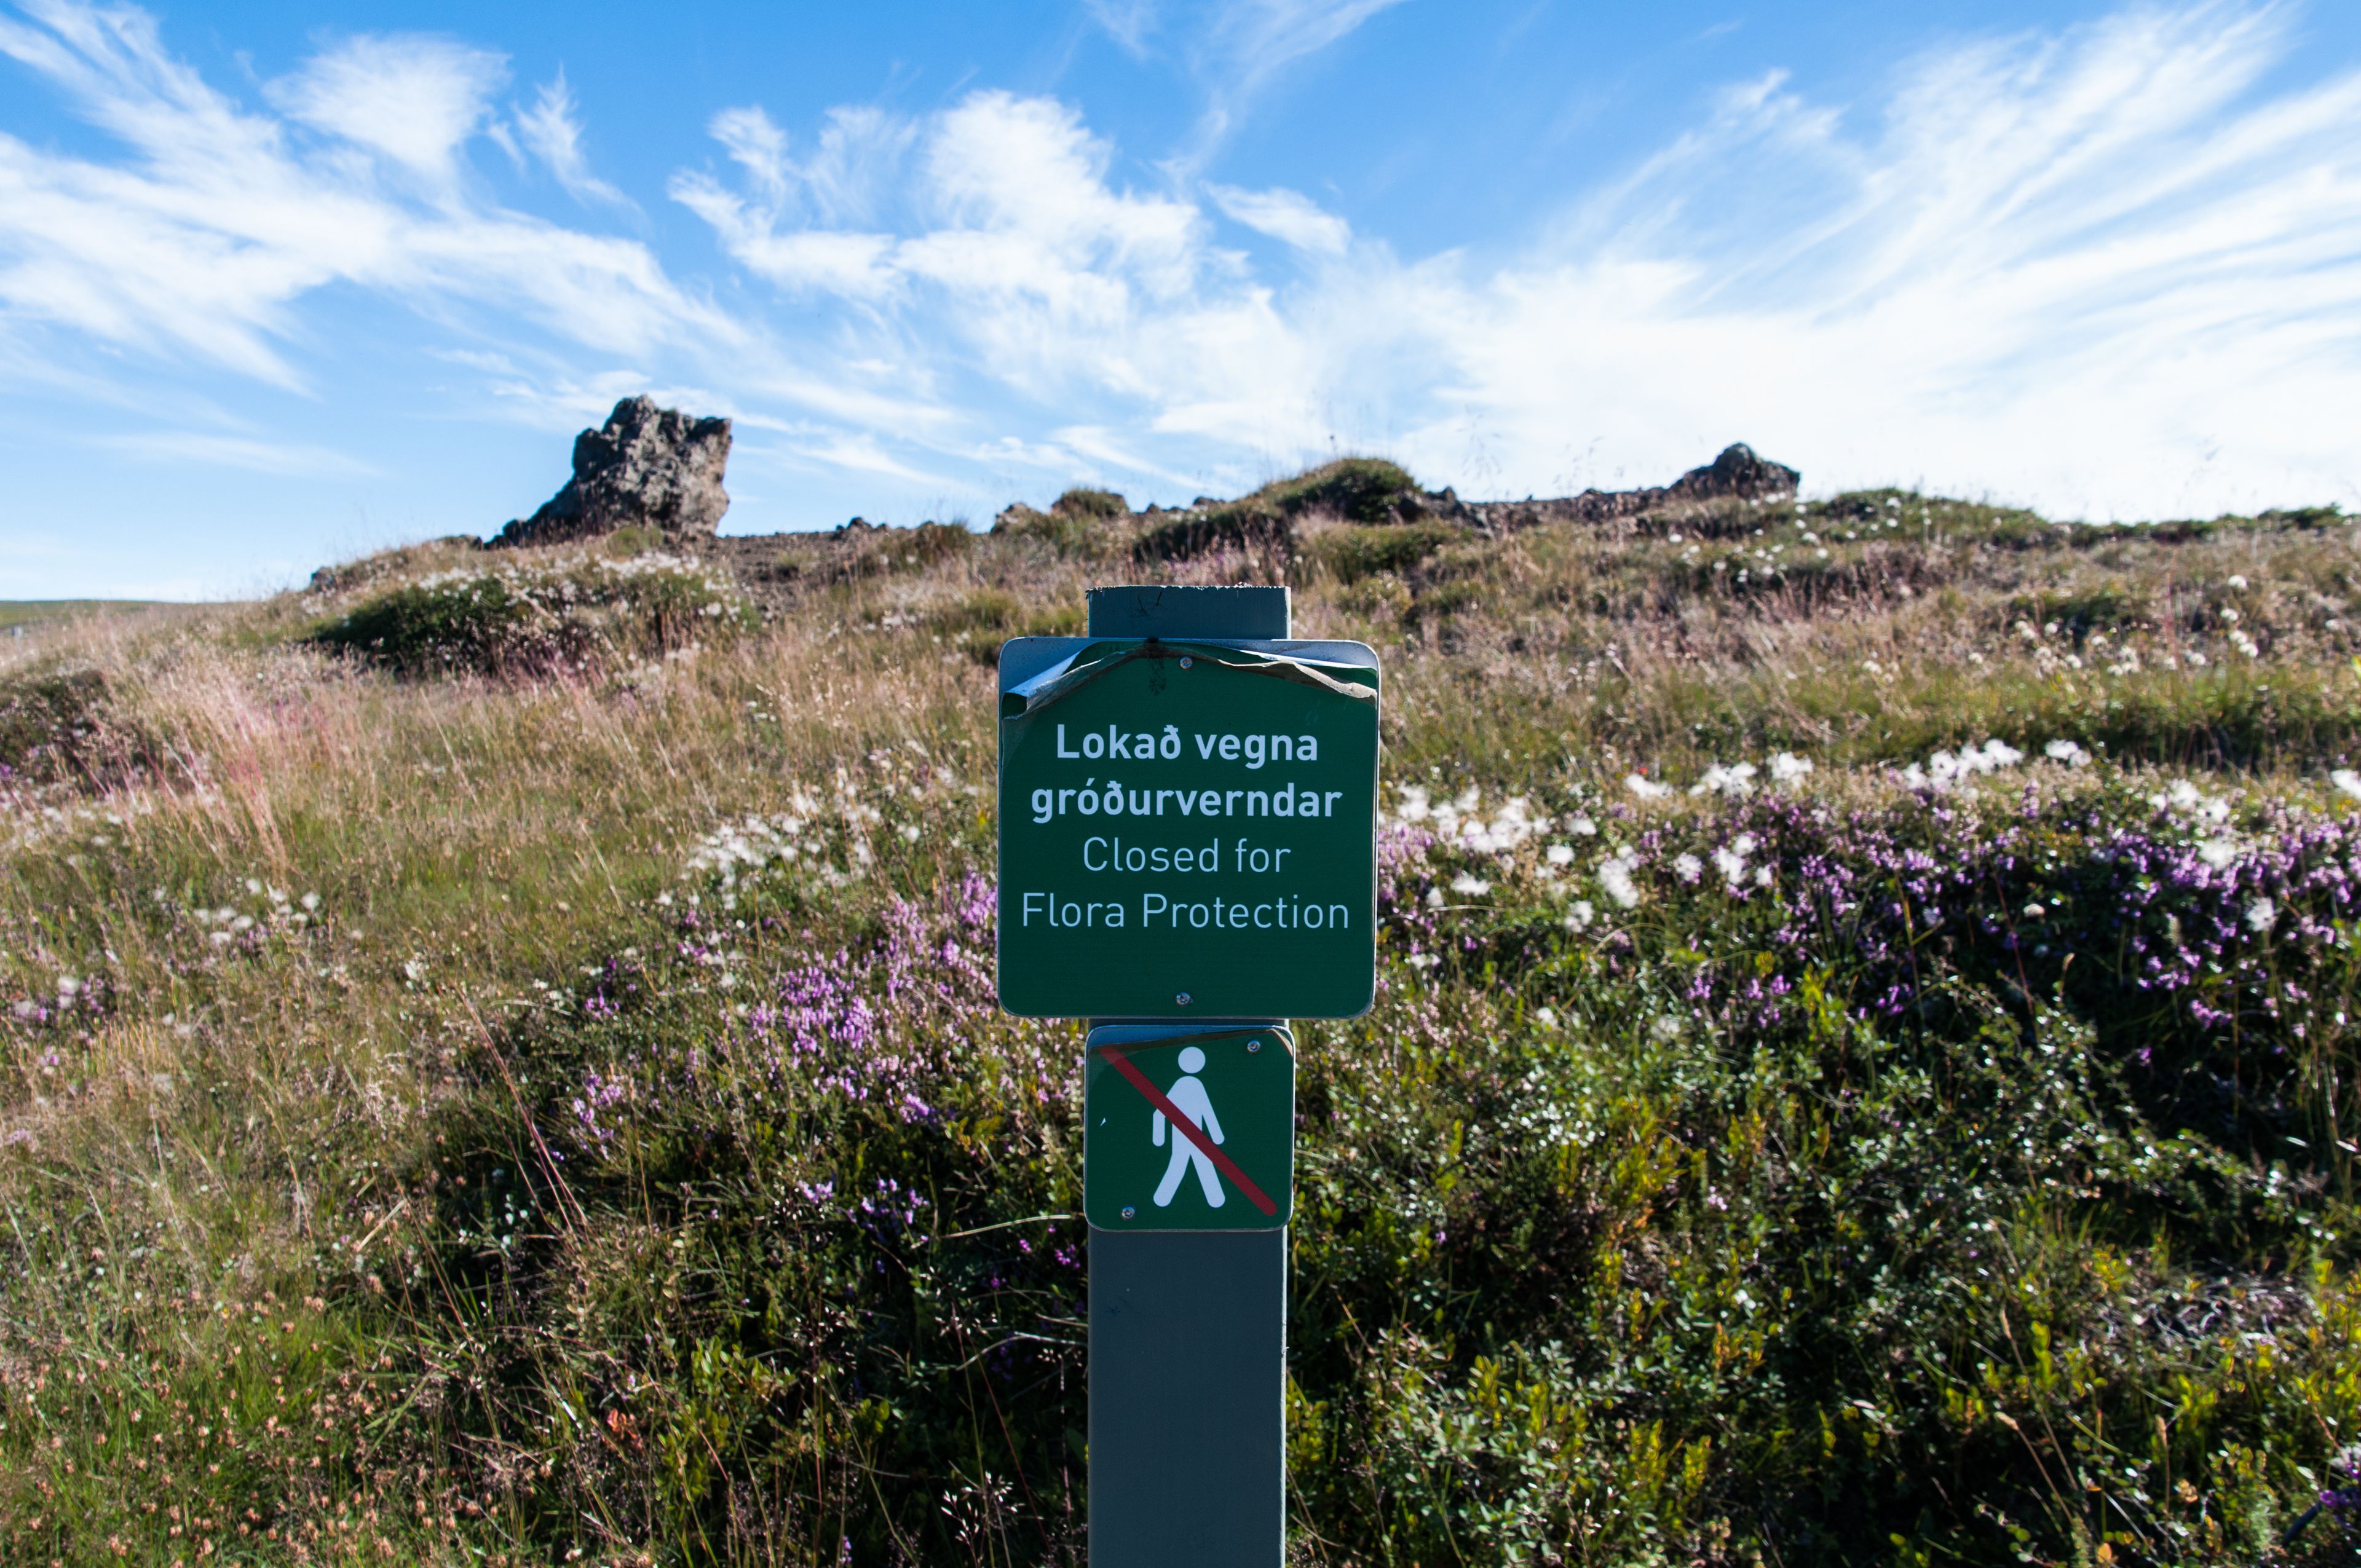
(1740, 472)
(656, 468)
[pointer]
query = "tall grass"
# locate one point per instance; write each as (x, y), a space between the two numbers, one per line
(484, 1110)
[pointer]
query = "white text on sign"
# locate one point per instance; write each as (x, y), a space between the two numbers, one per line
(1285, 912)
(1089, 799)
(1146, 745)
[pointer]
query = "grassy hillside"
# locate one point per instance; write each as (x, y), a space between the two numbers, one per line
(25, 614)
(502, 1064)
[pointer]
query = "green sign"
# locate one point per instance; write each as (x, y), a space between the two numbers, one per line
(1191, 1132)
(1189, 830)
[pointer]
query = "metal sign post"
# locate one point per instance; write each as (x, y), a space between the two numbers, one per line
(1188, 1361)
(1188, 809)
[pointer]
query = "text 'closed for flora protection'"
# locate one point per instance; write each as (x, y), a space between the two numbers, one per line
(1188, 830)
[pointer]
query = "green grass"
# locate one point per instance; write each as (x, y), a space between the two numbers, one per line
(31, 613)
(444, 1112)
(1358, 489)
(1085, 503)
(572, 613)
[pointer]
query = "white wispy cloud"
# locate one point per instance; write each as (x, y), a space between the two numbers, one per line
(201, 238)
(2103, 269)
(412, 99)
(1236, 49)
(857, 452)
(1243, 46)
(1114, 452)
(1127, 22)
(552, 131)
(284, 458)
(1289, 217)
(1018, 242)
(772, 225)
(2098, 270)
(1262, 37)
(2111, 270)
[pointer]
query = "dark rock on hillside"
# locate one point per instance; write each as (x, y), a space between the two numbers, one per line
(1738, 474)
(1372, 492)
(650, 467)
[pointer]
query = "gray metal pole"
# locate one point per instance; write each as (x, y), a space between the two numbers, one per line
(1188, 1354)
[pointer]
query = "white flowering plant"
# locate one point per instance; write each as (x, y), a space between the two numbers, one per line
(581, 612)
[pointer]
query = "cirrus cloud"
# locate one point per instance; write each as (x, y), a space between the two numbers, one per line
(2103, 270)
(415, 101)
(1289, 217)
(2111, 270)
(200, 240)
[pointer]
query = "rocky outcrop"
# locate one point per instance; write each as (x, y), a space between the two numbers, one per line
(1738, 474)
(1368, 491)
(646, 465)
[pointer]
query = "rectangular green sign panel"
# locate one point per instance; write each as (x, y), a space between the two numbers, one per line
(1188, 829)
(1189, 1131)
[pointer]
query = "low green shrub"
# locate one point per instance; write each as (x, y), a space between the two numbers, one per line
(1250, 524)
(1069, 532)
(60, 729)
(1719, 519)
(630, 541)
(986, 609)
(2078, 613)
(581, 613)
(1997, 527)
(1351, 554)
(1367, 490)
(2276, 520)
(1085, 503)
(933, 543)
(980, 622)
(1358, 489)
(406, 560)
(882, 552)
(2330, 516)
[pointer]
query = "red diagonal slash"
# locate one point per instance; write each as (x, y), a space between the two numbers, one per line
(1189, 1130)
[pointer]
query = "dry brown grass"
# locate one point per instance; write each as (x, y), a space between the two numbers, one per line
(216, 1128)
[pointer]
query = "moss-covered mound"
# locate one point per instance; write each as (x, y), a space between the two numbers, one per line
(577, 613)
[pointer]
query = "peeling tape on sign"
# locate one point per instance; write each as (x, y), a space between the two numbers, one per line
(1188, 830)
(1358, 683)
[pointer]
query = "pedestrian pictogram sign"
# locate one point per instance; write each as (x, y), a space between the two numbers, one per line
(1189, 1131)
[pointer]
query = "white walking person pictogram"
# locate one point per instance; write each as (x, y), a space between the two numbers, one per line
(1189, 1098)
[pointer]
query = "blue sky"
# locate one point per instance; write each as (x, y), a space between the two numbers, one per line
(280, 285)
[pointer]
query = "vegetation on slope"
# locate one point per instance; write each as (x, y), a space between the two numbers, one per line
(1862, 1073)
(576, 614)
